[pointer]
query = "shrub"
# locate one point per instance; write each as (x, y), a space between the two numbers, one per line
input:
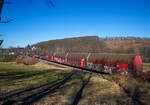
(30, 61)
(19, 59)
(7, 58)
(26, 60)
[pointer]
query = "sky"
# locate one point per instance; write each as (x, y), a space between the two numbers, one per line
(35, 20)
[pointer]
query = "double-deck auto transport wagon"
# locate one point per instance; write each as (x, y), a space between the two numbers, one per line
(122, 64)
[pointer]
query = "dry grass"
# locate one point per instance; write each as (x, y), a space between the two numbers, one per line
(14, 76)
(41, 65)
(102, 92)
(146, 67)
(43, 84)
(135, 88)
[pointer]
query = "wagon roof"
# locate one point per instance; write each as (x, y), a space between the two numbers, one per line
(78, 55)
(126, 58)
(60, 54)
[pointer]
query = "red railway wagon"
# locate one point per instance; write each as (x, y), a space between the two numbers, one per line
(122, 64)
(111, 62)
(76, 59)
(59, 58)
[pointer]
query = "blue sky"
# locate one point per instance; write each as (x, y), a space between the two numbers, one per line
(35, 20)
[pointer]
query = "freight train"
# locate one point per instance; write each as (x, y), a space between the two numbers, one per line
(121, 64)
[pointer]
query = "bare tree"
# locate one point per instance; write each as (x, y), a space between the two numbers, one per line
(1, 6)
(2, 2)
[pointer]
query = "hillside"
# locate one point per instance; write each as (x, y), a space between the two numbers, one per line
(88, 43)
(127, 43)
(96, 44)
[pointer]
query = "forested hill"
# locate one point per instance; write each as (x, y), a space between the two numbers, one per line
(95, 44)
(87, 43)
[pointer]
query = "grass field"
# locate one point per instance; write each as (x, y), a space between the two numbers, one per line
(44, 84)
